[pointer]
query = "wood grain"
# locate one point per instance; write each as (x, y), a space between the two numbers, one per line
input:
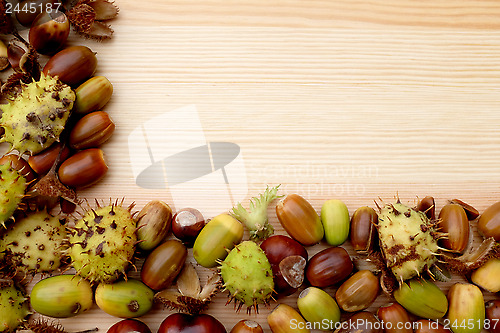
(332, 99)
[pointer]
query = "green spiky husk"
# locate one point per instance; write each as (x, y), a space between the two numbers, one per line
(255, 218)
(103, 243)
(14, 307)
(35, 119)
(247, 275)
(35, 243)
(12, 190)
(407, 240)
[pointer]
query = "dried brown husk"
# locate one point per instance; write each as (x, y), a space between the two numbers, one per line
(190, 297)
(87, 15)
(6, 26)
(473, 258)
(43, 325)
(29, 69)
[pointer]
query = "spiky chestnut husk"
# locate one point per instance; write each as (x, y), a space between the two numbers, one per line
(255, 219)
(14, 307)
(407, 239)
(35, 119)
(35, 244)
(12, 190)
(247, 275)
(102, 243)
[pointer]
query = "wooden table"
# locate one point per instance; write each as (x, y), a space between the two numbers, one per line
(332, 99)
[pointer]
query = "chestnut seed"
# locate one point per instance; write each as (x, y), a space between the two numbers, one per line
(43, 161)
(182, 322)
(428, 207)
(91, 131)
(247, 326)
(187, 224)
(277, 248)
(83, 169)
(453, 221)
(163, 265)
(292, 269)
(328, 267)
(73, 65)
(35, 8)
(49, 32)
(493, 315)
(129, 326)
(20, 164)
(396, 319)
(361, 322)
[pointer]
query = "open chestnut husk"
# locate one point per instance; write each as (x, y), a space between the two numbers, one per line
(277, 248)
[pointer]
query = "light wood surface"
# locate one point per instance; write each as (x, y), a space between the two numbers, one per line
(332, 99)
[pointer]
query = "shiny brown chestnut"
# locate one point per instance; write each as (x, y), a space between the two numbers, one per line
(247, 326)
(328, 267)
(277, 248)
(187, 224)
(84, 168)
(493, 315)
(20, 164)
(42, 162)
(396, 319)
(453, 221)
(361, 322)
(33, 9)
(428, 206)
(363, 234)
(49, 32)
(129, 326)
(92, 130)
(185, 323)
(72, 65)
(163, 265)
(429, 326)
(489, 222)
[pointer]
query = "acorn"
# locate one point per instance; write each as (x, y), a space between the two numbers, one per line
(358, 292)
(466, 305)
(153, 224)
(318, 308)
(61, 296)
(92, 130)
(218, 237)
(73, 65)
(43, 161)
(422, 298)
(92, 95)
(487, 275)
(363, 233)
(83, 169)
(300, 220)
(453, 221)
(336, 222)
(124, 299)
(489, 222)
(285, 319)
(328, 267)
